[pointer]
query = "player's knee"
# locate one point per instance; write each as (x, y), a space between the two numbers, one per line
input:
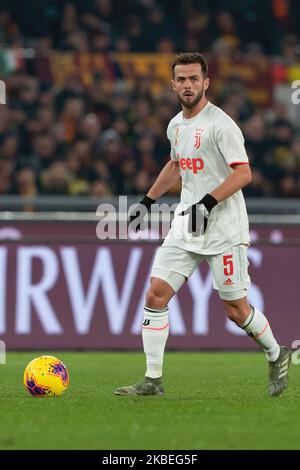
(155, 299)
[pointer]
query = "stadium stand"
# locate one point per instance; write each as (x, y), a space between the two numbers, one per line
(89, 97)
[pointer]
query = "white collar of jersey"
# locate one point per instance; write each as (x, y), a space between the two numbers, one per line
(194, 118)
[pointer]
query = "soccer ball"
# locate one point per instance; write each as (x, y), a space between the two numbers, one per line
(46, 376)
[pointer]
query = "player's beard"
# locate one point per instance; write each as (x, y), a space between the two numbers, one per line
(190, 104)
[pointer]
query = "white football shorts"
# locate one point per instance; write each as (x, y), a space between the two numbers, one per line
(175, 265)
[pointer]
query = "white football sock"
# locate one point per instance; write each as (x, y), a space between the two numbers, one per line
(155, 332)
(257, 326)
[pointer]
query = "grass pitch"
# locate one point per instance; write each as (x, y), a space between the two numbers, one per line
(212, 401)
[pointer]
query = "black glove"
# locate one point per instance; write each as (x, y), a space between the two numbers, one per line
(199, 213)
(147, 202)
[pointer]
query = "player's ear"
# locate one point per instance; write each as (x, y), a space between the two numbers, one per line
(173, 84)
(206, 83)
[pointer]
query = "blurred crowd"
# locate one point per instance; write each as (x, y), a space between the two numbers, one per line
(110, 137)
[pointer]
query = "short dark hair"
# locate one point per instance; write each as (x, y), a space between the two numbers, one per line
(191, 58)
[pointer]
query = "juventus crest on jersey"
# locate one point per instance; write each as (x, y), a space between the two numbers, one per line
(206, 147)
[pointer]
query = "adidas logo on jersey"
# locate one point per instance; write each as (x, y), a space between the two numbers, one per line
(228, 282)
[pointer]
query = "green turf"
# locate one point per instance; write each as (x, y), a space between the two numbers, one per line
(212, 401)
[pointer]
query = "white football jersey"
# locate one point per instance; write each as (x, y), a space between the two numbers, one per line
(206, 146)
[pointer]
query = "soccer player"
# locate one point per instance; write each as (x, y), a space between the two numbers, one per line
(210, 223)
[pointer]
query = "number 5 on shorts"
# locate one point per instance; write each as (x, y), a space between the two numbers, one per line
(228, 265)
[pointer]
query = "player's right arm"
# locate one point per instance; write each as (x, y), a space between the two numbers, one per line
(167, 178)
(165, 181)
(170, 174)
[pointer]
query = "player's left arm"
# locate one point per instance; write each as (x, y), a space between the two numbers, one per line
(239, 178)
(231, 144)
